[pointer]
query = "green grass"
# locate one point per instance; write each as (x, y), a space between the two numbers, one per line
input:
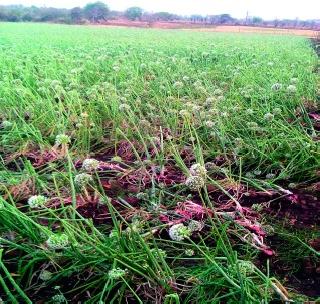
(162, 101)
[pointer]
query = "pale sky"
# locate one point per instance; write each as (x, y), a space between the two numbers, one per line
(268, 9)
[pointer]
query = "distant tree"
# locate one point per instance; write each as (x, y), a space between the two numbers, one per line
(165, 16)
(27, 17)
(3, 13)
(213, 19)
(51, 14)
(225, 18)
(134, 13)
(12, 17)
(220, 19)
(11, 13)
(99, 11)
(276, 22)
(257, 20)
(311, 24)
(76, 14)
(31, 13)
(96, 11)
(197, 18)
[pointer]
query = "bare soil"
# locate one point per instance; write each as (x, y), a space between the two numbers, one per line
(212, 28)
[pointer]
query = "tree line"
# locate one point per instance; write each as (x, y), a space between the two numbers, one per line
(99, 12)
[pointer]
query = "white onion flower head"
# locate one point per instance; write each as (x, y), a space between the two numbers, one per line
(210, 100)
(84, 115)
(58, 299)
(116, 159)
(82, 179)
(291, 88)
(159, 253)
(195, 182)
(249, 175)
(217, 92)
(179, 232)
(277, 111)
(124, 107)
(210, 124)
(238, 141)
(246, 267)
(294, 80)
(276, 86)
(213, 111)
(195, 225)
(114, 233)
(6, 124)
(185, 113)
(268, 229)
(253, 125)
(189, 252)
(55, 83)
(142, 196)
(270, 176)
(195, 108)
(136, 226)
(257, 172)
(37, 201)
(257, 207)
(145, 123)
(249, 111)
(45, 275)
(116, 273)
(57, 241)
(201, 89)
(197, 169)
(116, 68)
(211, 166)
(90, 164)
(292, 186)
(268, 116)
(62, 139)
(178, 85)
(197, 83)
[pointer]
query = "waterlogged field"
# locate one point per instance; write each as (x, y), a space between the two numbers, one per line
(152, 166)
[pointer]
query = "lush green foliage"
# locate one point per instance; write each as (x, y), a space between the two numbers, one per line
(222, 79)
(134, 13)
(96, 11)
(176, 98)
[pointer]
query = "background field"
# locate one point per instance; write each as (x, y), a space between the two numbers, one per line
(147, 104)
(214, 28)
(266, 30)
